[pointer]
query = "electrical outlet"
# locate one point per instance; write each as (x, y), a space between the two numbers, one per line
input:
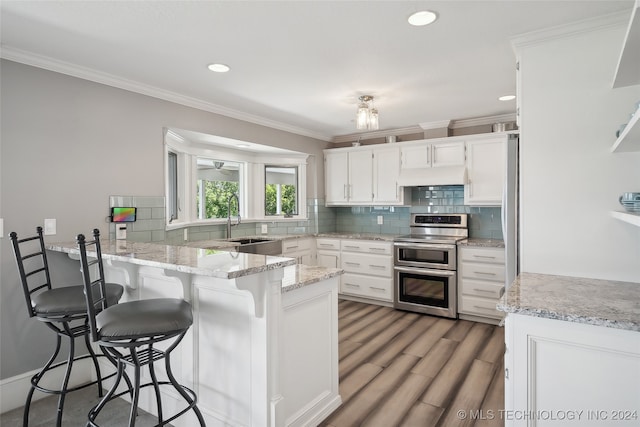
(185, 233)
(380, 220)
(49, 226)
(265, 229)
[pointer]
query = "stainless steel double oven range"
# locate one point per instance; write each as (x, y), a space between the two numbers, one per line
(425, 263)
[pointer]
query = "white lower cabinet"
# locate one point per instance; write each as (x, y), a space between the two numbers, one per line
(328, 252)
(368, 269)
(299, 248)
(560, 373)
(481, 277)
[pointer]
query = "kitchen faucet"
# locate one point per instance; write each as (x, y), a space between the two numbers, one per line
(229, 225)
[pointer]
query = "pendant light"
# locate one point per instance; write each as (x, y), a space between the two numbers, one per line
(367, 115)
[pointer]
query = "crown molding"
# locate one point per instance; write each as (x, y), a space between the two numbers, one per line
(562, 31)
(51, 64)
(479, 121)
(435, 125)
(376, 134)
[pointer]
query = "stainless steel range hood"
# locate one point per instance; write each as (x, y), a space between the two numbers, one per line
(446, 175)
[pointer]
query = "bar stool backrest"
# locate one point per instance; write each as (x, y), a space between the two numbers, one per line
(94, 284)
(32, 267)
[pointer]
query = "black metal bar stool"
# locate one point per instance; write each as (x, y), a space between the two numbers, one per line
(62, 309)
(128, 331)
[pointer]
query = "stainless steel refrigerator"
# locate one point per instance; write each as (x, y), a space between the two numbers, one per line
(510, 211)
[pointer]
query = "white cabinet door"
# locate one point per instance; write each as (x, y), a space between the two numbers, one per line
(361, 176)
(329, 259)
(486, 168)
(416, 156)
(447, 154)
(336, 172)
(386, 169)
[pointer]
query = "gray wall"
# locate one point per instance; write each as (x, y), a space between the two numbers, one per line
(67, 145)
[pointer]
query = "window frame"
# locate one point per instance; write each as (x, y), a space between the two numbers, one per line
(252, 203)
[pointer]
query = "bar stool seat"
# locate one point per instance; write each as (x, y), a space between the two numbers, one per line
(63, 310)
(128, 332)
(69, 300)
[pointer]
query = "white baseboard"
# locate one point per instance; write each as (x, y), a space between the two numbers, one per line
(14, 390)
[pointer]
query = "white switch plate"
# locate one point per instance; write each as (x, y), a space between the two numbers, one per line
(49, 226)
(265, 229)
(380, 220)
(121, 231)
(185, 234)
(1, 228)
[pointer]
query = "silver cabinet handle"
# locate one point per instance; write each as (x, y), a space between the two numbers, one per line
(484, 256)
(326, 244)
(377, 249)
(506, 373)
(377, 266)
(352, 247)
(291, 247)
(483, 290)
(377, 289)
(484, 272)
(484, 308)
(352, 285)
(352, 263)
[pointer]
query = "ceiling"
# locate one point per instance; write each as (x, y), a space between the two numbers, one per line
(295, 65)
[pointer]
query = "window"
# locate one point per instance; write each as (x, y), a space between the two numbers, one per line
(172, 186)
(281, 190)
(217, 180)
(203, 172)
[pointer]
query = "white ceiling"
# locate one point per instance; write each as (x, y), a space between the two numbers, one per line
(295, 65)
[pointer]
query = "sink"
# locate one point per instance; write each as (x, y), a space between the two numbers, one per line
(258, 246)
(245, 241)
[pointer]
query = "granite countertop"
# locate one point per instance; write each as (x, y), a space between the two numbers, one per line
(358, 236)
(207, 262)
(484, 243)
(611, 304)
(299, 275)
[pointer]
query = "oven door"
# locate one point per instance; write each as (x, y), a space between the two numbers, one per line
(424, 290)
(425, 255)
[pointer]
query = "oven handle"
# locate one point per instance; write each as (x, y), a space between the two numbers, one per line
(425, 271)
(423, 245)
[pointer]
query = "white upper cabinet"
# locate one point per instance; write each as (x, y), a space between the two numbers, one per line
(432, 162)
(486, 170)
(336, 175)
(363, 176)
(423, 154)
(348, 177)
(445, 154)
(386, 170)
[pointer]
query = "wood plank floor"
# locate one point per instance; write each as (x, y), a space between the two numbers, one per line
(407, 369)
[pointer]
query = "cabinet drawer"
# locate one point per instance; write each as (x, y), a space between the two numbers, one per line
(488, 255)
(295, 245)
(479, 307)
(481, 288)
(374, 265)
(367, 286)
(475, 270)
(368, 246)
(328, 244)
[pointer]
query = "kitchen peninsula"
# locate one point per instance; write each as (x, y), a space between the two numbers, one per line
(263, 348)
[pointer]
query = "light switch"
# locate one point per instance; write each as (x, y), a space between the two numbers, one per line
(265, 229)
(49, 226)
(380, 220)
(121, 231)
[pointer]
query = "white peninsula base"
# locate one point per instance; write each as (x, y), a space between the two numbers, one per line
(255, 356)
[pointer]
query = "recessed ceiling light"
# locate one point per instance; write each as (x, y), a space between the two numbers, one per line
(507, 98)
(424, 17)
(219, 68)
